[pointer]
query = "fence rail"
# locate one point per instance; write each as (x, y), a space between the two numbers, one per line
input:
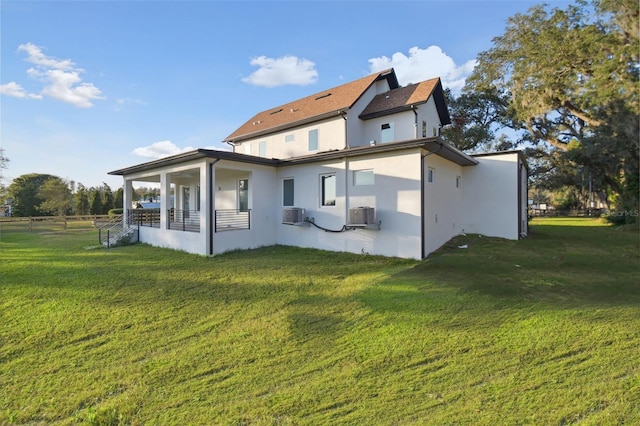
(145, 217)
(230, 220)
(53, 223)
(184, 220)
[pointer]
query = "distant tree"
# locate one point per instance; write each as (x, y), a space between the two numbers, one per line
(95, 201)
(107, 198)
(118, 198)
(81, 200)
(3, 166)
(25, 192)
(57, 197)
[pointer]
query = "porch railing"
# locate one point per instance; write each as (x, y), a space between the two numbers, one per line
(231, 220)
(145, 217)
(184, 220)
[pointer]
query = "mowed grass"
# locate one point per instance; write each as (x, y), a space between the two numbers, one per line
(541, 331)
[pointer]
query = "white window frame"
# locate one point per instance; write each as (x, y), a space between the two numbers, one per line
(363, 177)
(323, 189)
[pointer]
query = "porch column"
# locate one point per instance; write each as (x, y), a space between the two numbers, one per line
(207, 194)
(127, 199)
(165, 199)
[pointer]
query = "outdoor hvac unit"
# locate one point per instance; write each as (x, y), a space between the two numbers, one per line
(292, 215)
(362, 216)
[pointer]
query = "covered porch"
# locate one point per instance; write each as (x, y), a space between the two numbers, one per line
(206, 206)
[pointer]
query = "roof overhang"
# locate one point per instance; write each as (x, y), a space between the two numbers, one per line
(434, 145)
(194, 155)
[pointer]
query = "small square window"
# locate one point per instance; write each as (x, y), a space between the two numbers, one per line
(363, 177)
(290, 138)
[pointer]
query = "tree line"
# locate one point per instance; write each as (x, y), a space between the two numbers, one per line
(38, 194)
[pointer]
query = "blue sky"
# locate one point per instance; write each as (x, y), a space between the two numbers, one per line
(93, 86)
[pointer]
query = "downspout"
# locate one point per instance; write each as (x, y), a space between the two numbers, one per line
(343, 114)
(422, 198)
(346, 189)
(415, 121)
(211, 205)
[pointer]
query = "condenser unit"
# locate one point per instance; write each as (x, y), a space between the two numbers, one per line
(362, 216)
(292, 215)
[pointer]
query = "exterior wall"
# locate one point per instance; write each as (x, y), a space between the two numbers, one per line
(428, 113)
(405, 125)
(491, 196)
(443, 202)
(395, 195)
(331, 135)
(355, 126)
(263, 199)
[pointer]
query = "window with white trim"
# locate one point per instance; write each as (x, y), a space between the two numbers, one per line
(313, 140)
(386, 132)
(287, 192)
(262, 149)
(363, 177)
(328, 190)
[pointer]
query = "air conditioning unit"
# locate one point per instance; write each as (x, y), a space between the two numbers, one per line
(292, 215)
(362, 216)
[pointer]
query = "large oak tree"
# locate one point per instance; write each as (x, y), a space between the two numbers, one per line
(571, 77)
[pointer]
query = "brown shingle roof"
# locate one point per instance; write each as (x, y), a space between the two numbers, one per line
(403, 98)
(311, 108)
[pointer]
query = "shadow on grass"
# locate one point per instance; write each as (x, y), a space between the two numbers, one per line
(558, 266)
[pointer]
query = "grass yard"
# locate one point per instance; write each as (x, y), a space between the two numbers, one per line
(541, 331)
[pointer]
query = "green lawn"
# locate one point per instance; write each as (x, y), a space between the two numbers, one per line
(541, 331)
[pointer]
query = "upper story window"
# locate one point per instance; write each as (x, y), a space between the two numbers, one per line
(424, 129)
(287, 192)
(313, 140)
(289, 138)
(386, 132)
(328, 190)
(247, 148)
(262, 149)
(363, 177)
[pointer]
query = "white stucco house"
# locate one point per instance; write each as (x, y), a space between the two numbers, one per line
(358, 168)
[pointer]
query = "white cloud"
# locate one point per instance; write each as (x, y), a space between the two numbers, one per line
(15, 90)
(423, 64)
(282, 71)
(67, 86)
(61, 78)
(37, 57)
(160, 149)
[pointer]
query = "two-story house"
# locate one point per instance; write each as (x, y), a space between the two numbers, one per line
(358, 168)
